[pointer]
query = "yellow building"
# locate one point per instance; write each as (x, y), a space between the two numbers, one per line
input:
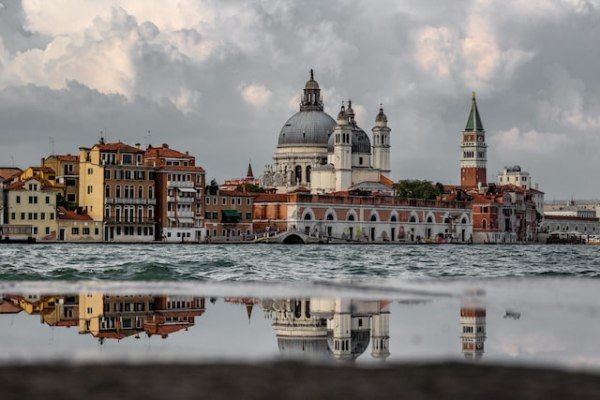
(31, 212)
(74, 226)
(43, 173)
(117, 188)
(66, 167)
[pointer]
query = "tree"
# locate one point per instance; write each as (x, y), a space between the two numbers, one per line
(213, 187)
(250, 188)
(63, 202)
(417, 189)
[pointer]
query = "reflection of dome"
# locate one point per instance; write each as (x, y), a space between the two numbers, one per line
(307, 128)
(360, 142)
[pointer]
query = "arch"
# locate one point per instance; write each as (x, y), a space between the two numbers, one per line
(297, 174)
(394, 217)
(414, 217)
(484, 224)
(308, 215)
(374, 216)
(351, 215)
(307, 174)
(293, 238)
(464, 219)
(430, 218)
(330, 217)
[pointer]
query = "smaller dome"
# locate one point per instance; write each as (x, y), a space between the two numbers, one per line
(360, 142)
(381, 117)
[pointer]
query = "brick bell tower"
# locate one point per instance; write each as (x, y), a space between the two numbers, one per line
(473, 161)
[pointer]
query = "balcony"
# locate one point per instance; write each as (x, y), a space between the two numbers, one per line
(180, 184)
(123, 200)
(125, 220)
(185, 200)
(180, 214)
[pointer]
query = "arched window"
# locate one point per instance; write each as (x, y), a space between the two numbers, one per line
(298, 177)
(393, 219)
(429, 219)
(308, 174)
(484, 224)
(412, 219)
(307, 217)
(351, 217)
(329, 217)
(463, 221)
(373, 218)
(446, 220)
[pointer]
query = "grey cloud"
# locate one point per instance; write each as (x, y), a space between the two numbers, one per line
(360, 50)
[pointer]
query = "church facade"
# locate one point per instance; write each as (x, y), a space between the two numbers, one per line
(324, 155)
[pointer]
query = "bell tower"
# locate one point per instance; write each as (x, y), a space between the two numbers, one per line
(342, 152)
(473, 161)
(381, 144)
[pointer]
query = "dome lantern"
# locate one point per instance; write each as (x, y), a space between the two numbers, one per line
(311, 99)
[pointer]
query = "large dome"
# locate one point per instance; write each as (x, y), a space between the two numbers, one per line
(307, 128)
(360, 142)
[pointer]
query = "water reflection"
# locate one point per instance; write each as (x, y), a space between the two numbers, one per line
(309, 327)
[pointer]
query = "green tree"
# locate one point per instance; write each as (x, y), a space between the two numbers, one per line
(213, 187)
(418, 189)
(250, 188)
(62, 202)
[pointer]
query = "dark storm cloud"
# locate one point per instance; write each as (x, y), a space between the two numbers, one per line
(220, 78)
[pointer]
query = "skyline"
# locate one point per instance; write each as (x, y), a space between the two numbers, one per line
(221, 80)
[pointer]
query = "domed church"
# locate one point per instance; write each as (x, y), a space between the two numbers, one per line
(325, 155)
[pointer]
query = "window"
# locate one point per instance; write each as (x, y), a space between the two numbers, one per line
(47, 230)
(18, 199)
(126, 159)
(107, 191)
(47, 200)
(86, 231)
(75, 231)
(71, 197)
(51, 215)
(13, 216)
(42, 215)
(248, 216)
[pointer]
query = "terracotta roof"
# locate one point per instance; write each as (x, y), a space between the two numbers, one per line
(165, 151)
(511, 188)
(386, 181)
(180, 168)
(21, 184)
(9, 172)
(47, 170)
(67, 157)
(63, 213)
(118, 146)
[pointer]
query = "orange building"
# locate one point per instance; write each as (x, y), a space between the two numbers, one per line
(228, 215)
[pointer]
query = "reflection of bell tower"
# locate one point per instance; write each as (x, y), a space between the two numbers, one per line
(341, 326)
(472, 325)
(380, 335)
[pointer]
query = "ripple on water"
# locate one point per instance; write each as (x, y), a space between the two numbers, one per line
(293, 263)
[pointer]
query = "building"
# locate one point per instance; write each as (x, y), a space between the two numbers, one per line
(75, 226)
(228, 215)
(324, 155)
(514, 175)
(31, 209)
(352, 217)
(6, 176)
(180, 185)
(569, 225)
(66, 168)
(240, 183)
(44, 173)
(473, 161)
(503, 214)
(116, 187)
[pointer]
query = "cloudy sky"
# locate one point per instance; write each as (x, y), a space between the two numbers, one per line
(220, 77)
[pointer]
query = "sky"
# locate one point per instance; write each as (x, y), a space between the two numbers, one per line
(220, 78)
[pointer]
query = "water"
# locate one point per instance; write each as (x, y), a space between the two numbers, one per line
(292, 263)
(526, 305)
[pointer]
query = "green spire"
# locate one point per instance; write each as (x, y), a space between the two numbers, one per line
(474, 121)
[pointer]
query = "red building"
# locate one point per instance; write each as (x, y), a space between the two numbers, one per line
(179, 194)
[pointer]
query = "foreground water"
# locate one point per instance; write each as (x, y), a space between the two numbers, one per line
(144, 303)
(292, 263)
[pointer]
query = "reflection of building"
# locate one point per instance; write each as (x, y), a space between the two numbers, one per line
(472, 325)
(336, 328)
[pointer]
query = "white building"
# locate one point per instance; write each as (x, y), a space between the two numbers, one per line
(324, 155)
(514, 175)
